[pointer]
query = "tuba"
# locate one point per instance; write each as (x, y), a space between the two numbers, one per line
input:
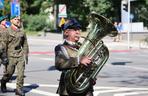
(78, 79)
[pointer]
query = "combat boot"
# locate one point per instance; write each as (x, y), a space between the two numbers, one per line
(19, 92)
(3, 86)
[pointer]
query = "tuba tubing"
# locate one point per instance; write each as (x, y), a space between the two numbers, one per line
(78, 79)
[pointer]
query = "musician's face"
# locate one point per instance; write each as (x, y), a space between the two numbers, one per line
(72, 34)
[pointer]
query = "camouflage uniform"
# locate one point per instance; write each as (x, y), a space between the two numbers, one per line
(65, 59)
(3, 46)
(17, 55)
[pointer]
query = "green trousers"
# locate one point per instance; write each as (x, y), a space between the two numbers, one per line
(19, 64)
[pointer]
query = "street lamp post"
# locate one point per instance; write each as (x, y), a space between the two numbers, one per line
(126, 15)
(129, 27)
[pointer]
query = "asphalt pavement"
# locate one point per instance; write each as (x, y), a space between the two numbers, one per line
(123, 44)
(42, 78)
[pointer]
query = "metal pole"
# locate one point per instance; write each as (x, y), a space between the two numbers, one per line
(56, 3)
(128, 35)
(55, 16)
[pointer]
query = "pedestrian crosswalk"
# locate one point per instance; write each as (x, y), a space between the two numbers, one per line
(120, 91)
(98, 90)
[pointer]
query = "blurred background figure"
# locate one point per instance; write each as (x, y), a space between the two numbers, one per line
(7, 24)
(3, 42)
(3, 20)
(119, 28)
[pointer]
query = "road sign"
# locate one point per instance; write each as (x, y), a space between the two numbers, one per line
(124, 11)
(15, 1)
(125, 7)
(62, 10)
(1, 4)
(62, 21)
(15, 9)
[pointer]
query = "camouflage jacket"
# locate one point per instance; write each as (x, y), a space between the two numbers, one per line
(3, 45)
(17, 44)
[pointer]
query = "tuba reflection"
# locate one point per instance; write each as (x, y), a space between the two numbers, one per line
(78, 79)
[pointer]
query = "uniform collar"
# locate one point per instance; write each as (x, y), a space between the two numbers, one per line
(72, 44)
(15, 28)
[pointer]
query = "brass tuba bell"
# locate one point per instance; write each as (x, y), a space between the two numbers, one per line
(78, 79)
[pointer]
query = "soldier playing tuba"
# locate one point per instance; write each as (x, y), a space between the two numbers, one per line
(80, 63)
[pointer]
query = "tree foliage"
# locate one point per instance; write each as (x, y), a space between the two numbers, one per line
(34, 6)
(140, 10)
(6, 9)
(81, 8)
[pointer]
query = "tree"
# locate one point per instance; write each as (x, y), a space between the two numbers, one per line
(6, 9)
(24, 6)
(140, 10)
(81, 8)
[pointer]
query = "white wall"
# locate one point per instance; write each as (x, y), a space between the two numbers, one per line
(133, 27)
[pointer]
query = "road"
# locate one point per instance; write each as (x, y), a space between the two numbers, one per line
(124, 74)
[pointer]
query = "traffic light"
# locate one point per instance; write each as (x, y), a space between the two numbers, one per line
(125, 7)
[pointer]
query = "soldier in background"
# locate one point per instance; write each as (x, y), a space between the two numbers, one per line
(17, 55)
(3, 42)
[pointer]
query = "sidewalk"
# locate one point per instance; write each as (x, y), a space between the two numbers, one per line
(121, 45)
(108, 41)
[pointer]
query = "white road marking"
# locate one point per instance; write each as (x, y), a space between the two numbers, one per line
(132, 67)
(98, 90)
(102, 87)
(48, 59)
(12, 85)
(131, 93)
(117, 58)
(42, 92)
(96, 93)
(137, 68)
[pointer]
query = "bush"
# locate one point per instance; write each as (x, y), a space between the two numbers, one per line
(34, 22)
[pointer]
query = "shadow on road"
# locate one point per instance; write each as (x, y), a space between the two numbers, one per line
(52, 68)
(121, 63)
(30, 87)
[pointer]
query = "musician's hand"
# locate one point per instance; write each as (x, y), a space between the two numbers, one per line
(85, 60)
(93, 81)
